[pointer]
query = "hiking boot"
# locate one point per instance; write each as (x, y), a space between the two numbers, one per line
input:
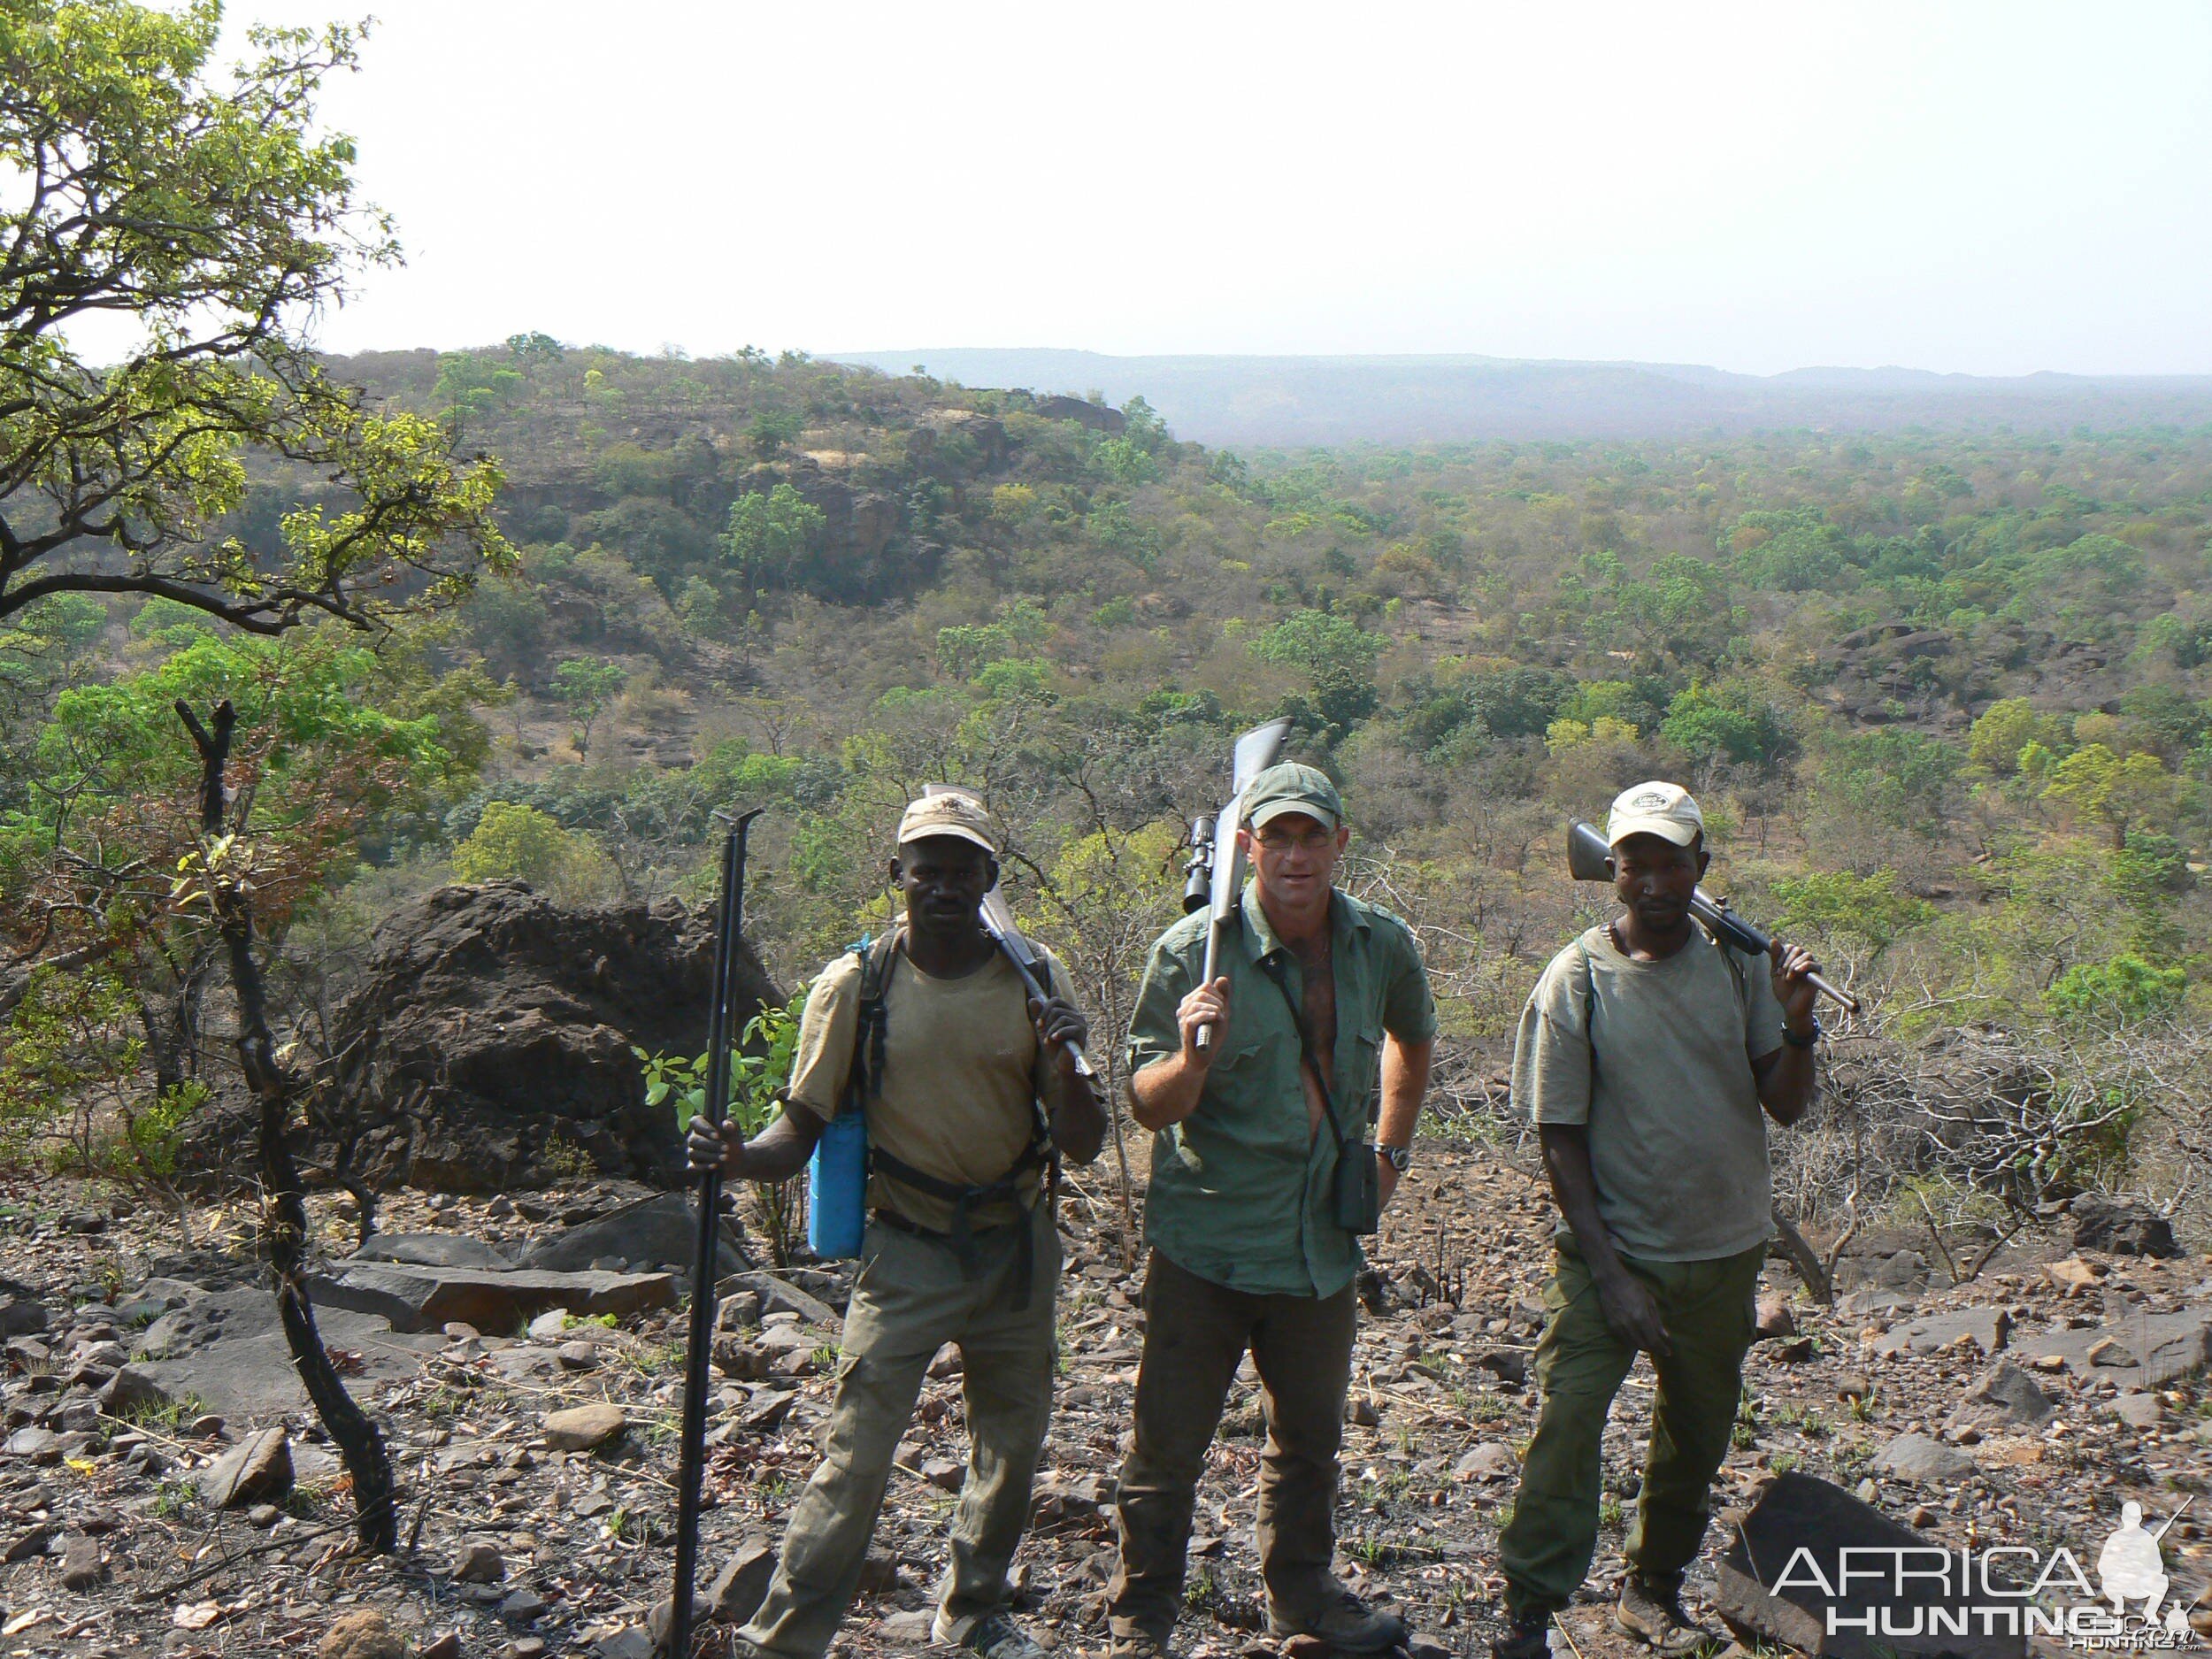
(993, 1635)
(1527, 1636)
(1344, 1622)
(1138, 1645)
(1657, 1619)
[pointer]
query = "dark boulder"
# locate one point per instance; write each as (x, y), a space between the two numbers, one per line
(493, 1024)
(2120, 1228)
(1097, 417)
(664, 1228)
(1767, 1597)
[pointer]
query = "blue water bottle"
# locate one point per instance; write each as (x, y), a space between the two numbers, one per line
(837, 1188)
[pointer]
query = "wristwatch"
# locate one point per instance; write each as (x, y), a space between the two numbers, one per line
(1399, 1158)
(1805, 1041)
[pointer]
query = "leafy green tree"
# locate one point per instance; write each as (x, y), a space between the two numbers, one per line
(1724, 723)
(2148, 876)
(41, 646)
(771, 536)
(1143, 426)
(1796, 552)
(772, 432)
(511, 840)
(1867, 911)
(206, 211)
(2001, 730)
(1680, 606)
(1900, 778)
(89, 847)
(71, 1094)
(1125, 461)
(1337, 656)
(2115, 791)
(587, 685)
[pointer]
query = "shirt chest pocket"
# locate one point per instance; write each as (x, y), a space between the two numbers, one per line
(1357, 1070)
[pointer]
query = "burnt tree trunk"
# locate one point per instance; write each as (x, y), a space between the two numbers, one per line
(283, 1206)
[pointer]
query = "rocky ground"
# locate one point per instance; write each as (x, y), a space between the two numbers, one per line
(144, 1505)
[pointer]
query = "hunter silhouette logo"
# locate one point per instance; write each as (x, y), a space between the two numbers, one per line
(2131, 1568)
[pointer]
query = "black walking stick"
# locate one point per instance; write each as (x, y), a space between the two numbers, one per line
(691, 1473)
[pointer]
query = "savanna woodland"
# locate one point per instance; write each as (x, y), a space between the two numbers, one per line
(536, 612)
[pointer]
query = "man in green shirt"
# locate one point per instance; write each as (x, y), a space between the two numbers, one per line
(1248, 1248)
(1649, 1057)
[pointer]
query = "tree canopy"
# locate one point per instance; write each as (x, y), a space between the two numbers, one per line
(191, 222)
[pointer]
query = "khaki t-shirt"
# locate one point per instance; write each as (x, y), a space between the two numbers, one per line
(1678, 1140)
(962, 1065)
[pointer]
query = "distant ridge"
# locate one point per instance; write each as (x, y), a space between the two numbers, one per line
(1292, 400)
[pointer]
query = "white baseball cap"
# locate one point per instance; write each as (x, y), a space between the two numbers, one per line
(1665, 810)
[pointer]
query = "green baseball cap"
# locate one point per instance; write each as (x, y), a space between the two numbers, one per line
(1291, 788)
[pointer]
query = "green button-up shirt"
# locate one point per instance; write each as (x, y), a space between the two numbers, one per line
(1241, 1188)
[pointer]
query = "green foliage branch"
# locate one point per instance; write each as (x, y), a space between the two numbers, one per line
(205, 217)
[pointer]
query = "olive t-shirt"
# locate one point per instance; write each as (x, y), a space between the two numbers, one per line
(962, 1065)
(1659, 1067)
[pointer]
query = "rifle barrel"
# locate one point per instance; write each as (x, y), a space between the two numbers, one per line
(1037, 988)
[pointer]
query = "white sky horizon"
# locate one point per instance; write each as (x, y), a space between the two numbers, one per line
(1966, 187)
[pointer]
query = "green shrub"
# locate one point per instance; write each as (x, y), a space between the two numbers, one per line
(2122, 990)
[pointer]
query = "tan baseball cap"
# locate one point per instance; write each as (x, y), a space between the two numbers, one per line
(1665, 810)
(948, 813)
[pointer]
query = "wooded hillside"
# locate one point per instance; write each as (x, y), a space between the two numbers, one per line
(1943, 695)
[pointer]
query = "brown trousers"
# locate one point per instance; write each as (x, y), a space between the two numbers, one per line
(1195, 1333)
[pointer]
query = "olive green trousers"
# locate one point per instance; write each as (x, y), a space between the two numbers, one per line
(911, 1299)
(1709, 1310)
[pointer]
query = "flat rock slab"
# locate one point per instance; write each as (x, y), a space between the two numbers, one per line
(2006, 1397)
(80, 1568)
(432, 1249)
(742, 1584)
(1985, 1328)
(416, 1298)
(581, 1428)
(780, 1295)
(2150, 1351)
(2121, 1228)
(653, 1231)
(1923, 1458)
(1800, 1510)
(228, 1350)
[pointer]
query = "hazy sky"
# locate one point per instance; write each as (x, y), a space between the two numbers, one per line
(1992, 188)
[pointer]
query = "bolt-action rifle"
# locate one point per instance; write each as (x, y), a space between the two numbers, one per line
(1589, 858)
(1215, 875)
(997, 917)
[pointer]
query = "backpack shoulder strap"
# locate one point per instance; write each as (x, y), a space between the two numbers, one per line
(1589, 1003)
(878, 958)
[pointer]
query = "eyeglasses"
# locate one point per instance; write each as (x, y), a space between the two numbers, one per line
(1318, 840)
